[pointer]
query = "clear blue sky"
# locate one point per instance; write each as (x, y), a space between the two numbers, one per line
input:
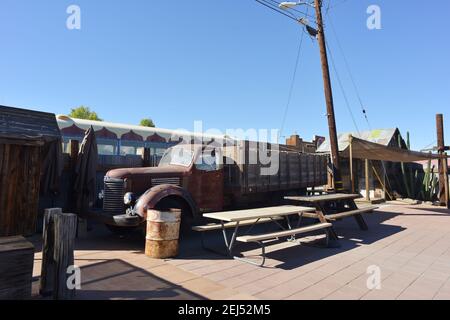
(228, 63)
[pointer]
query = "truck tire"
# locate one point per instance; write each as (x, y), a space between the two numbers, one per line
(187, 218)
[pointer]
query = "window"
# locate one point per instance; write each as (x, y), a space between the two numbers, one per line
(131, 148)
(66, 143)
(178, 157)
(106, 149)
(206, 162)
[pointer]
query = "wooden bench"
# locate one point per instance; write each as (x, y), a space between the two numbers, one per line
(260, 238)
(229, 225)
(341, 215)
(345, 214)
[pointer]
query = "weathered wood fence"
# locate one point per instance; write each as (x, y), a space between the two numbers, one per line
(58, 254)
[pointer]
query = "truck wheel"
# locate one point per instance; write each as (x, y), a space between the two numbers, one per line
(187, 219)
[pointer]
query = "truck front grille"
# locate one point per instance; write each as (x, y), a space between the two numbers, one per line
(113, 196)
(159, 181)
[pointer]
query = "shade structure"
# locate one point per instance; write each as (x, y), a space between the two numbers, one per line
(363, 149)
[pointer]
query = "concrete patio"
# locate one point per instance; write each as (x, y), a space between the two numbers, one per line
(409, 243)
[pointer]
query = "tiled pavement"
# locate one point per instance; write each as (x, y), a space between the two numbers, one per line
(410, 245)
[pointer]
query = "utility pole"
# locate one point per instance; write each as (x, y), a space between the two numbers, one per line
(334, 148)
(443, 168)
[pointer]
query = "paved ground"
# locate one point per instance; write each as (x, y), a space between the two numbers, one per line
(410, 244)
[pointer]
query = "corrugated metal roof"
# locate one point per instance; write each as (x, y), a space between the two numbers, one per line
(380, 136)
(23, 124)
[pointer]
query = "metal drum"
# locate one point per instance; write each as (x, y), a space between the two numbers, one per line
(163, 231)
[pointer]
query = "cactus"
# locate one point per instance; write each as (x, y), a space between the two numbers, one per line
(406, 183)
(412, 181)
(430, 185)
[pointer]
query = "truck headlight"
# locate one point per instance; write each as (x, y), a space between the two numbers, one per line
(129, 199)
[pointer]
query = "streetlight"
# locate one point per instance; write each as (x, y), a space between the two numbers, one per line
(289, 4)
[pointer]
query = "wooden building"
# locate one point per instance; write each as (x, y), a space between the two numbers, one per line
(304, 146)
(26, 138)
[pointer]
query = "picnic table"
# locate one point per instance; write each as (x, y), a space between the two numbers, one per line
(251, 217)
(335, 206)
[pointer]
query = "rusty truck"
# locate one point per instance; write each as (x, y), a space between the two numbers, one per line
(198, 180)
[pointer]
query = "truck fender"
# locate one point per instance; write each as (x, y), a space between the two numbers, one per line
(154, 195)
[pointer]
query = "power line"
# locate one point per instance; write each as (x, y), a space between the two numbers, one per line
(363, 109)
(264, 3)
(342, 89)
(329, 7)
(294, 9)
(291, 89)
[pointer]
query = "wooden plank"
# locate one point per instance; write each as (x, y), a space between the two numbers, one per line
(65, 232)
(250, 214)
(58, 247)
(48, 261)
(16, 268)
(19, 185)
(285, 233)
(346, 214)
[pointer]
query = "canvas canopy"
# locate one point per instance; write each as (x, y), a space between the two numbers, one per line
(363, 149)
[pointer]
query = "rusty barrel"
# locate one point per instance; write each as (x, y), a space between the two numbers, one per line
(163, 230)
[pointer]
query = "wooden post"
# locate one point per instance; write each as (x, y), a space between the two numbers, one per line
(48, 262)
(146, 158)
(367, 179)
(446, 187)
(74, 146)
(58, 247)
(334, 143)
(352, 178)
(65, 231)
(443, 168)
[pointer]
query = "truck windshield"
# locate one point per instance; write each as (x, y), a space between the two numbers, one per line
(178, 157)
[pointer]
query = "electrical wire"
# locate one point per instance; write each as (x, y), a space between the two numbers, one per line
(291, 89)
(344, 94)
(268, 5)
(352, 78)
(329, 7)
(294, 9)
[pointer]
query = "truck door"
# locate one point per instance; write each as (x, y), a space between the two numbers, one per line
(207, 185)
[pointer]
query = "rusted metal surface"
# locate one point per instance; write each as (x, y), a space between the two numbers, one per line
(150, 199)
(163, 230)
(207, 189)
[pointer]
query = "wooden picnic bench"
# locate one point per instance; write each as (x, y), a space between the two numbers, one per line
(332, 207)
(235, 219)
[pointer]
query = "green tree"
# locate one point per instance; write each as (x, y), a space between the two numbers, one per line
(83, 112)
(147, 123)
